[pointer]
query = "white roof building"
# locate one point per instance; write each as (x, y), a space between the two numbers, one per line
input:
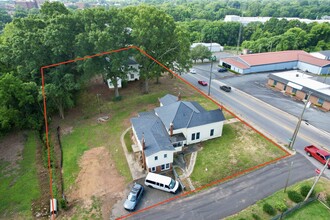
(213, 47)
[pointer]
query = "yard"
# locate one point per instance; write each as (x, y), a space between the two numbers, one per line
(238, 149)
(18, 175)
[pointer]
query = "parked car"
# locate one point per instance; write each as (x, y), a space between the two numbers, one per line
(318, 154)
(193, 71)
(222, 69)
(134, 197)
(225, 88)
(201, 82)
(161, 182)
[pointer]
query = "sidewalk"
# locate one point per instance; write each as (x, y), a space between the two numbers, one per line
(136, 171)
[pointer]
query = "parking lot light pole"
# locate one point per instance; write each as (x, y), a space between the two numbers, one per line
(294, 136)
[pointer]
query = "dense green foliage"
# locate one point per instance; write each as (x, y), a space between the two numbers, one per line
(269, 209)
(56, 34)
(294, 196)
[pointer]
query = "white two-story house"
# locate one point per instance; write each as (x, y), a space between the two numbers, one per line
(164, 131)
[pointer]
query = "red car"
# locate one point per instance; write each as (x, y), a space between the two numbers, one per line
(203, 83)
(318, 154)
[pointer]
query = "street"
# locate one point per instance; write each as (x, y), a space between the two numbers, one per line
(233, 196)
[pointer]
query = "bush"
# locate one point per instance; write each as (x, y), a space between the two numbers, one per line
(295, 197)
(327, 200)
(281, 206)
(304, 190)
(269, 209)
(255, 216)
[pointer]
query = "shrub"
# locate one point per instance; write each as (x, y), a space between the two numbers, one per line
(327, 200)
(304, 190)
(269, 209)
(295, 197)
(255, 216)
(281, 206)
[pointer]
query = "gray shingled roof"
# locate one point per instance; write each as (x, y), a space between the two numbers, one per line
(168, 99)
(149, 126)
(187, 114)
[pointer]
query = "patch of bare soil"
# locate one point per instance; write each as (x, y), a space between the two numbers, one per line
(98, 178)
(11, 148)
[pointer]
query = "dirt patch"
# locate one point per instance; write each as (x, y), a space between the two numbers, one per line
(11, 148)
(99, 179)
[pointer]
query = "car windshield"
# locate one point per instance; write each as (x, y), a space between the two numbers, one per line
(172, 184)
(131, 197)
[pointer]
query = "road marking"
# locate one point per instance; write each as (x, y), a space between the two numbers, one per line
(272, 108)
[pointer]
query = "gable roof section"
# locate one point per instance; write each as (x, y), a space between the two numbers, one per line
(187, 114)
(236, 61)
(151, 128)
(168, 99)
(206, 117)
(313, 60)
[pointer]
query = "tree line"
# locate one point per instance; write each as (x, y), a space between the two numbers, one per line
(56, 34)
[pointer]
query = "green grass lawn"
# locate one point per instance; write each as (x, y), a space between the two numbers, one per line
(279, 198)
(128, 141)
(19, 187)
(314, 210)
(238, 149)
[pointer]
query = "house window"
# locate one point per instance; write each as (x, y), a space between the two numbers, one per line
(284, 87)
(212, 132)
(180, 144)
(320, 101)
(294, 91)
(156, 157)
(193, 136)
(274, 83)
(197, 135)
(153, 169)
(132, 76)
(165, 155)
(166, 166)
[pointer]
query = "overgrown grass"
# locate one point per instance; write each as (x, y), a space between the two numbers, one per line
(18, 188)
(128, 142)
(281, 197)
(314, 210)
(238, 149)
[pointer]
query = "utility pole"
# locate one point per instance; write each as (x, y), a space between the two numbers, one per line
(287, 180)
(294, 136)
(317, 179)
(212, 58)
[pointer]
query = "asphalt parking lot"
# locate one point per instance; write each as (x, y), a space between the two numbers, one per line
(150, 197)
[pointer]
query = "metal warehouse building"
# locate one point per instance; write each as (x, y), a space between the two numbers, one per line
(274, 61)
(298, 84)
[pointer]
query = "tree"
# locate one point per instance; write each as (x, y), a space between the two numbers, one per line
(200, 52)
(4, 18)
(105, 31)
(18, 104)
(155, 32)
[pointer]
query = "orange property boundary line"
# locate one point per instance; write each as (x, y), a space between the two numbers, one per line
(175, 75)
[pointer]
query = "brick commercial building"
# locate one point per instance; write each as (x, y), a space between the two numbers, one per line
(298, 85)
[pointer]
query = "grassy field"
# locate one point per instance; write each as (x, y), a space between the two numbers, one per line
(279, 198)
(20, 186)
(314, 210)
(238, 149)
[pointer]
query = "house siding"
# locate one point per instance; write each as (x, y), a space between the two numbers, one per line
(204, 132)
(309, 68)
(151, 162)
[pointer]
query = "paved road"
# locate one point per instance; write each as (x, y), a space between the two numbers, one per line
(271, 121)
(235, 195)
